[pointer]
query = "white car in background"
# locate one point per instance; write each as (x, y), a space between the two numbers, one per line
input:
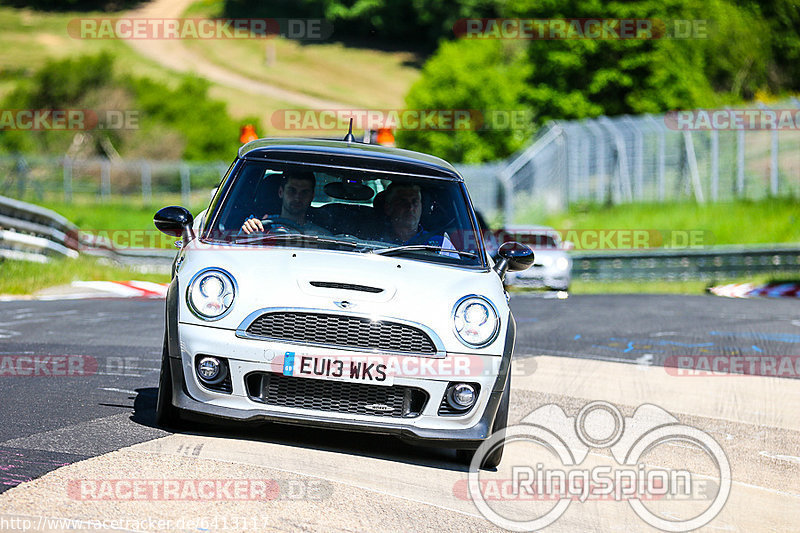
(552, 266)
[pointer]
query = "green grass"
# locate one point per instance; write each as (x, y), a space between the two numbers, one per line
(743, 222)
(639, 287)
(117, 214)
(29, 38)
(363, 78)
(23, 277)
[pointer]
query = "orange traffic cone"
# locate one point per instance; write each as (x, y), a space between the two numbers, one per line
(248, 134)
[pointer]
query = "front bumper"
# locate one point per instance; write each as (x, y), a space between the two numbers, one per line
(249, 355)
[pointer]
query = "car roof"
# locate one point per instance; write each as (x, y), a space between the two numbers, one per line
(265, 148)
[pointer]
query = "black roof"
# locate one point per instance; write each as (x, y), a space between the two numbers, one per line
(325, 152)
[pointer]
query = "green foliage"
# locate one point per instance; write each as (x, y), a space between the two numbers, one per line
(165, 123)
(72, 5)
(735, 54)
(487, 76)
(397, 23)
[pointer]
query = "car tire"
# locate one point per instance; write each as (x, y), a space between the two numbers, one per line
(500, 422)
(167, 415)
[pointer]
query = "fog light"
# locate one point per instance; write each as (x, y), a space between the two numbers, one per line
(209, 369)
(463, 396)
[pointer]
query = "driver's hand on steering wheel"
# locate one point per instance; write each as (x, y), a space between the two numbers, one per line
(252, 225)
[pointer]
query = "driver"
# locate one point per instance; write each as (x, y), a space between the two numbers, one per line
(403, 210)
(296, 192)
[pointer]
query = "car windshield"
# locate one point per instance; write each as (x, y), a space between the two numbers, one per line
(353, 210)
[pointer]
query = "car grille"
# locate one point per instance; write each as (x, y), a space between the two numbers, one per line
(340, 330)
(335, 396)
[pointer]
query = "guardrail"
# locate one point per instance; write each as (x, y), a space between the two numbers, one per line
(707, 264)
(32, 233)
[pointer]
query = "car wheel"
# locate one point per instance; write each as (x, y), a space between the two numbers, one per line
(500, 422)
(167, 415)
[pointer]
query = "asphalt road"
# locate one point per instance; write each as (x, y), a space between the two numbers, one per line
(53, 421)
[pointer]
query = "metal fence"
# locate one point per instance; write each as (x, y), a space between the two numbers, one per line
(641, 159)
(604, 160)
(64, 179)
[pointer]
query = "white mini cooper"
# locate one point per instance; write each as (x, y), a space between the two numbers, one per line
(340, 285)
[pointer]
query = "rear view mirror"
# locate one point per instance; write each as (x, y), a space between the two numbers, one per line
(174, 220)
(513, 257)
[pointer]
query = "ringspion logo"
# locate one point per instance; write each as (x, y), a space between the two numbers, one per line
(547, 487)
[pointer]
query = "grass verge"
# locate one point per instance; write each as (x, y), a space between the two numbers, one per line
(363, 78)
(774, 220)
(23, 277)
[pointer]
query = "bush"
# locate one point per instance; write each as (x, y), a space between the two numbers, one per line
(582, 78)
(172, 123)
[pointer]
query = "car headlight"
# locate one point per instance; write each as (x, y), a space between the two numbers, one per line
(211, 293)
(562, 263)
(475, 321)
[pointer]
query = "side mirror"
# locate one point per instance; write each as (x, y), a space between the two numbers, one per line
(175, 221)
(512, 257)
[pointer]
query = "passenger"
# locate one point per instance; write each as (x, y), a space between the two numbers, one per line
(403, 209)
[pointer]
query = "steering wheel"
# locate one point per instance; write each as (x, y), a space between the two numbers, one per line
(270, 223)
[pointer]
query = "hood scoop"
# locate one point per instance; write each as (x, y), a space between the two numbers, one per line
(345, 286)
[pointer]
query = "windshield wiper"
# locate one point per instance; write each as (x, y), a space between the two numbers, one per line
(426, 247)
(249, 239)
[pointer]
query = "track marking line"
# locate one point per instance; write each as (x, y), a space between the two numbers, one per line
(112, 389)
(779, 457)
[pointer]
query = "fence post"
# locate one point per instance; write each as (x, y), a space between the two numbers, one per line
(600, 163)
(147, 183)
(562, 147)
(186, 185)
(623, 174)
(67, 179)
(691, 158)
(638, 157)
(508, 197)
(740, 163)
(105, 178)
(714, 165)
(22, 175)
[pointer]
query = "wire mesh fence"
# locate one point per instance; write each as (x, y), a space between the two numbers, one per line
(50, 179)
(699, 156)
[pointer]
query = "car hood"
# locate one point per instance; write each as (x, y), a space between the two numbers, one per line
(314, 279)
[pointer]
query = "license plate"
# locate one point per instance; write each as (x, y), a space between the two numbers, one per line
(350, 369)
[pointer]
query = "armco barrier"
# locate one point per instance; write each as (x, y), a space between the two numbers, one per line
(719, 262)
(32, 233)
